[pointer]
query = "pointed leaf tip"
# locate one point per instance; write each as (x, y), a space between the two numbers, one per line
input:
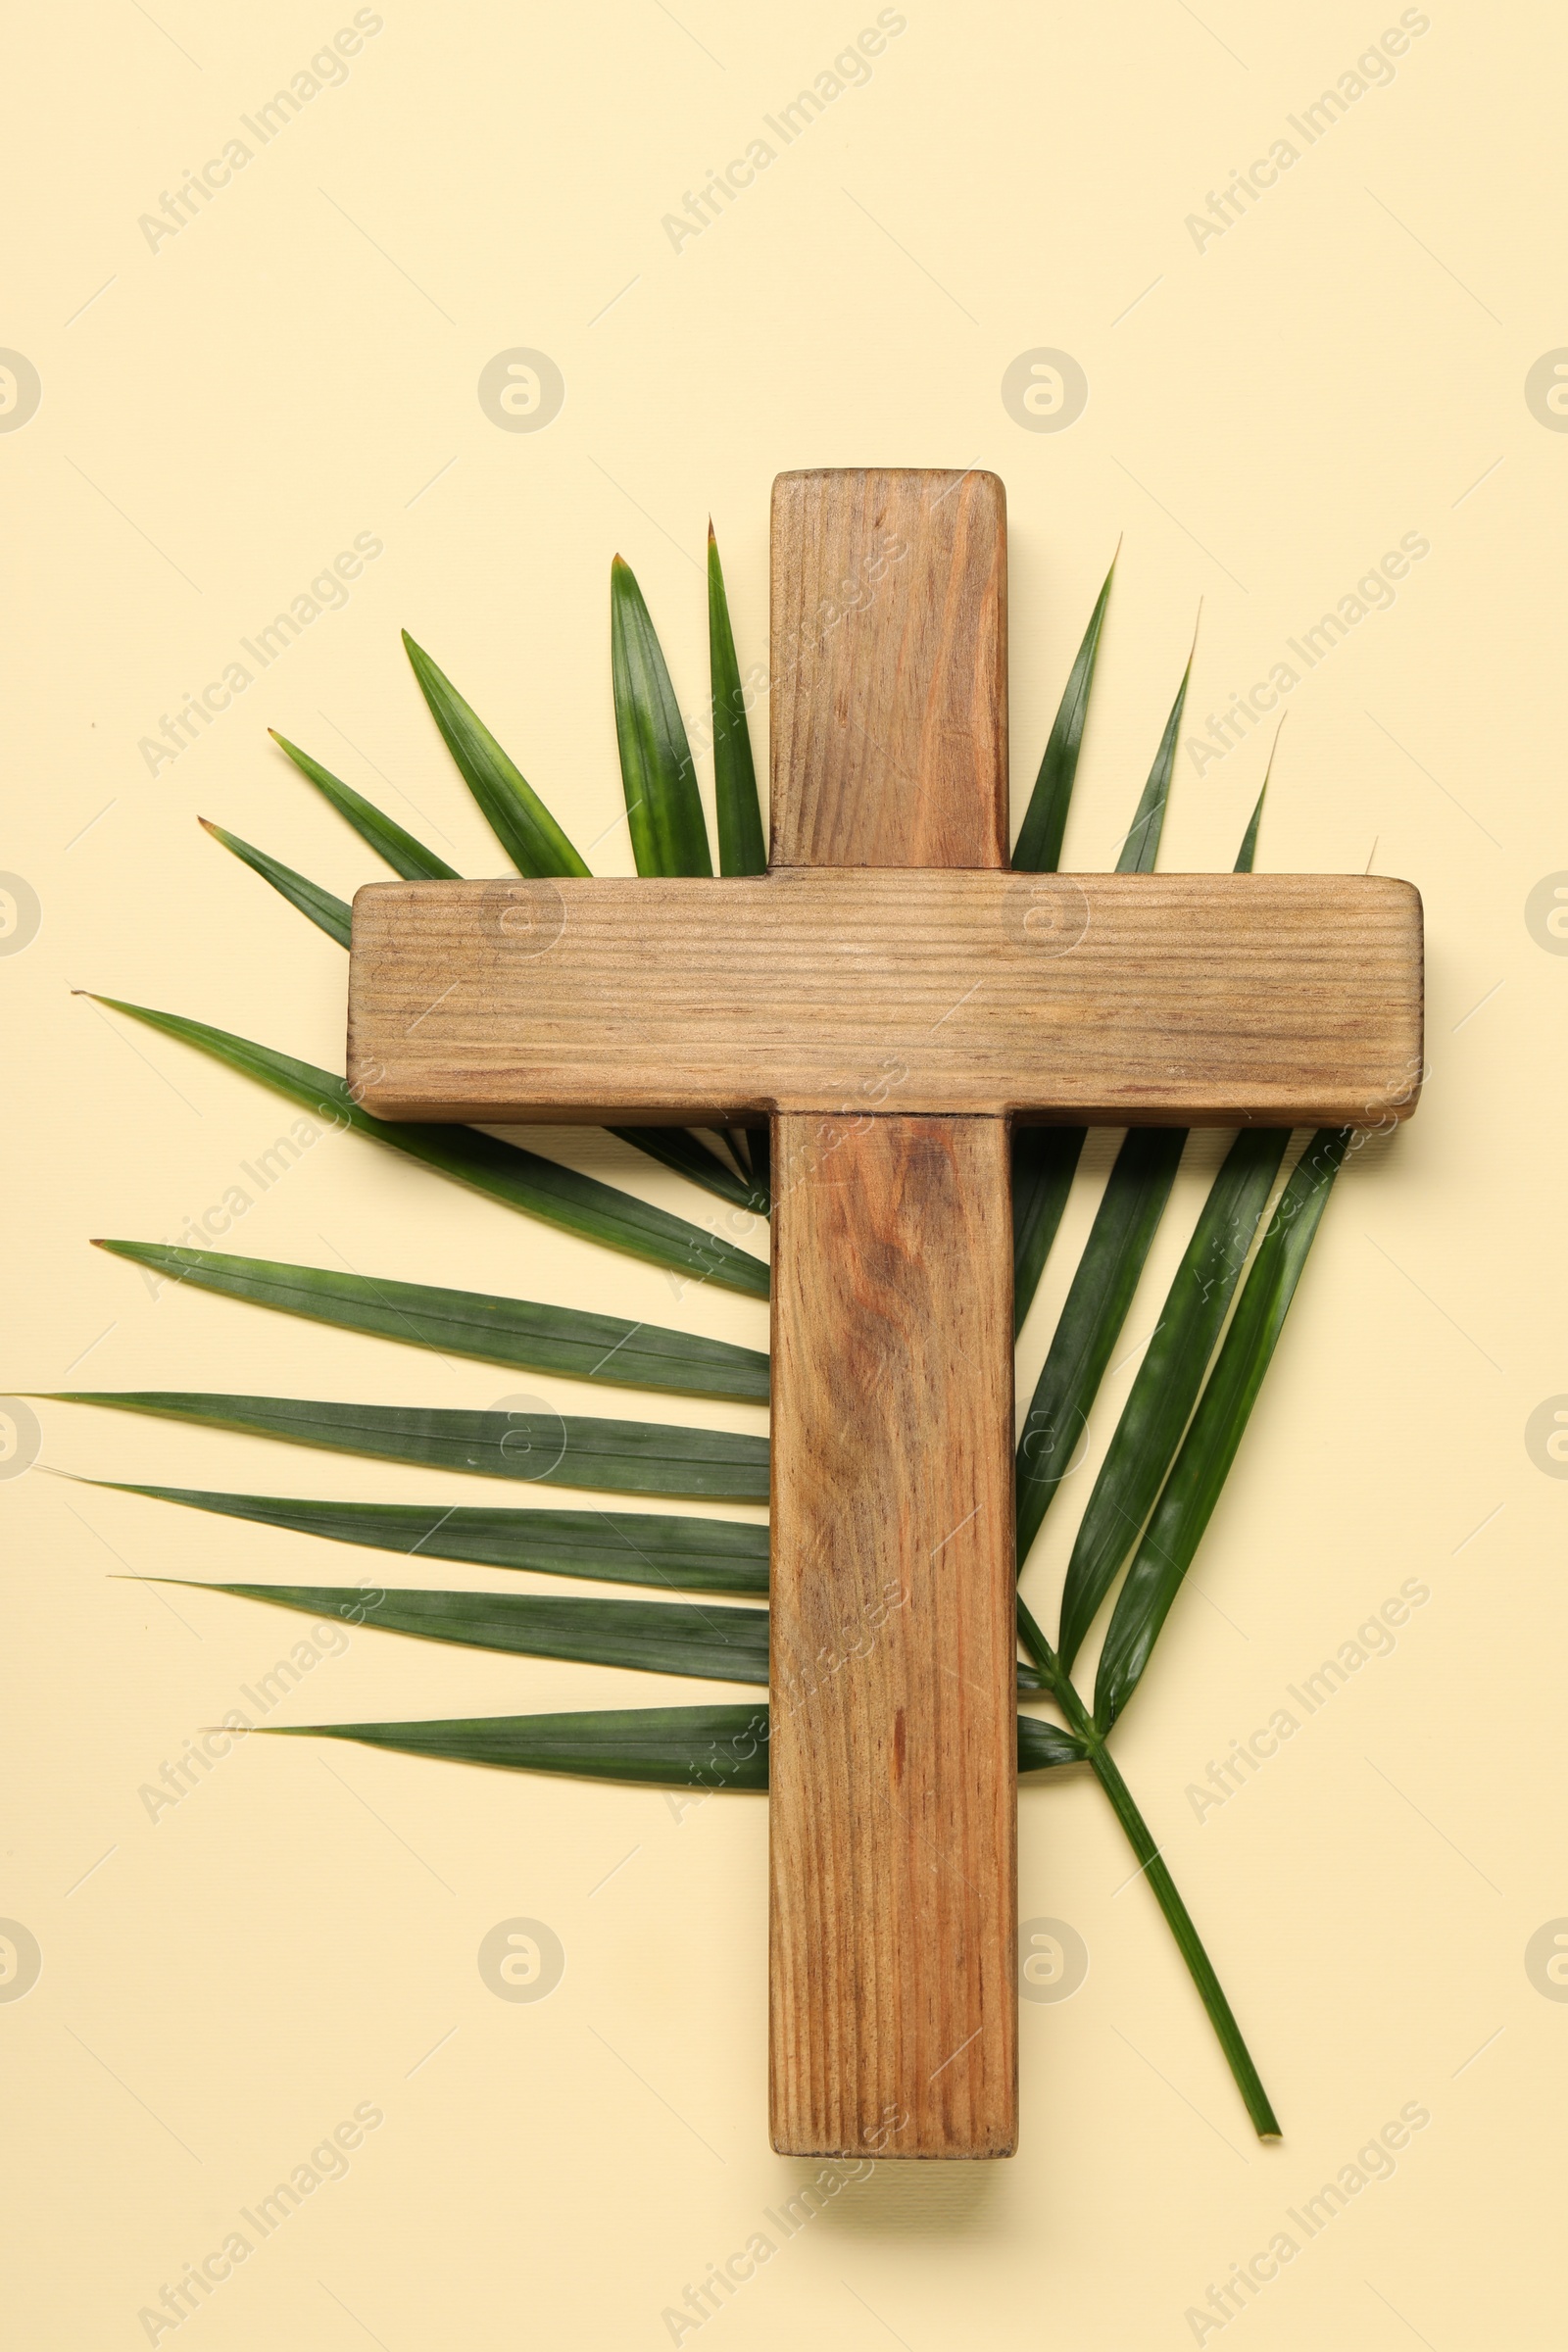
(1037, 849)
(663, 808)
(513, 810)
(322, 907)
(521, 1179)
(389, 840)
(742, 846)
(469, 1323)
(1141, 846)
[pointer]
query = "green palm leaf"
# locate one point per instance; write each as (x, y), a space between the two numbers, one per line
(330, 915)
(699, 1749)
(1097, 1303)
(623, 1457)
(1138, 851)
(1168, 1379)
(402, 854)
(471, 1323)
(715, 1748)
(1046, 1158)
(755, 1146)
(543, 1187)
(1247, 852)
(741, 849)
(677, 1148)
(1124, 1228)
(1044, 1745)
(512, 809)
(1038, 847)
(664, 816)
(1249, 849)
(664, 808)
(658, 1637)
(727, 1646)
(1045, 1161)
(1209, 1449)
(612, 1547)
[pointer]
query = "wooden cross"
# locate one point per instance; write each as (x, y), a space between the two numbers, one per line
(890, 997)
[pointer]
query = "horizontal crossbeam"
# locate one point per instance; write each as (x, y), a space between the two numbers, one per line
(1183, 1000)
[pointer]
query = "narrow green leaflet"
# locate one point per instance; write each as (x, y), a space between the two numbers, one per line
(1096, 1307)
(1247, 853)
(1124, 1227)
(1139, 849)
(1038, 847)
(543, 1187)
(757, 1145)
(497, 1331)
(1043, 1744)
(1168, 1379)
(330, 915)
(1153, 1869)
(661, 1637)
(402, 854)
(1044, 1162)
(623, 1457)
(512, 809)
(1249, 849)
(701, 1748)
(1045, 1158)
(695, 1555)
(664, 808)
(679, 1149)
(1193, 1489)
(612, 1547)
(741, 849)
(668, 831)
(664, 814)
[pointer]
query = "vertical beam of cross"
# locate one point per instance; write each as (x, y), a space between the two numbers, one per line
(893, 1775)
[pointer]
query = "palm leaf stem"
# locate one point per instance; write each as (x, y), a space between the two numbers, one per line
(1153, 1865)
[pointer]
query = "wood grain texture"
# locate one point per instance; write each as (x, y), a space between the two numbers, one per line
(890, 659)
(1175, 999)
(890, 1019)
(893, 1875)
(893, 1772)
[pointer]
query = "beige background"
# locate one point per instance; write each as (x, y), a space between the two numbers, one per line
(1266, 416)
